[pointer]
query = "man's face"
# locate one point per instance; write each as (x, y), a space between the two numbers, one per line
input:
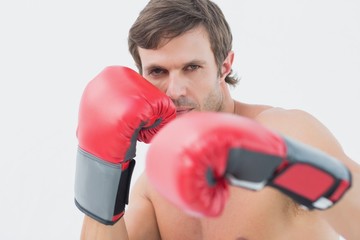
(184, 68)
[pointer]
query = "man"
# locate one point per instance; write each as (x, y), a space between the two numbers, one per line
(184, 49)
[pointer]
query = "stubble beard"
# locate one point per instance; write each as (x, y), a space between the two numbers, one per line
(214, 102)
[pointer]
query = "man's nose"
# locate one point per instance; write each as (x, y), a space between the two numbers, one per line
(176, 86)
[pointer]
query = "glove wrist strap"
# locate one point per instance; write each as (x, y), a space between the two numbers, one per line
(102, 188)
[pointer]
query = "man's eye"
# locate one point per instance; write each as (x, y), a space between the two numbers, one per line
(192, 67)
(156, 71)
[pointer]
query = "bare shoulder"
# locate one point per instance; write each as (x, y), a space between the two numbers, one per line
(288, 120)
(140, 218)
(302, 126)
(294, 123)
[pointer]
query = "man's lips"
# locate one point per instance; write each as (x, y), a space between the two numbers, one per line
(180, 111)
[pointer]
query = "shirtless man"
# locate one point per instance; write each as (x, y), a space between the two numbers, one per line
(184, 49)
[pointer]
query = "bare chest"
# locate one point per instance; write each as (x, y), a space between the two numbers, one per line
(247, 216)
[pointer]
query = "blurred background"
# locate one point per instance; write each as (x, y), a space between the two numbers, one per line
(291, 54)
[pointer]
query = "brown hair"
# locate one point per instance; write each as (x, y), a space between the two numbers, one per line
(167, 19)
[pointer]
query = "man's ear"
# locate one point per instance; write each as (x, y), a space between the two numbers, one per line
(227, 65)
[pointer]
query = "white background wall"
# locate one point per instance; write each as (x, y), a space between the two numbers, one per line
(293, 54)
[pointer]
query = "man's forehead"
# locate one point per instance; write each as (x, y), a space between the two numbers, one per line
(192, 46)
(198, 33)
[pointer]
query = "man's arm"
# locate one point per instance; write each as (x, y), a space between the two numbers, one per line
(117, 108)
(140, 215)
(94, 230)
(138, 222)
(344, 216)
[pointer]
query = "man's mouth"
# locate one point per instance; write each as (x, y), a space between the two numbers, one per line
(181, 110)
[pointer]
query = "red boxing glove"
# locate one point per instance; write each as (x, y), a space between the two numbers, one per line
(194, 158)
(117, 108)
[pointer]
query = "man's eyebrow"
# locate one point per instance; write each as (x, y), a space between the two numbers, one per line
(195, 62)
(192, 62)
(153, 66)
